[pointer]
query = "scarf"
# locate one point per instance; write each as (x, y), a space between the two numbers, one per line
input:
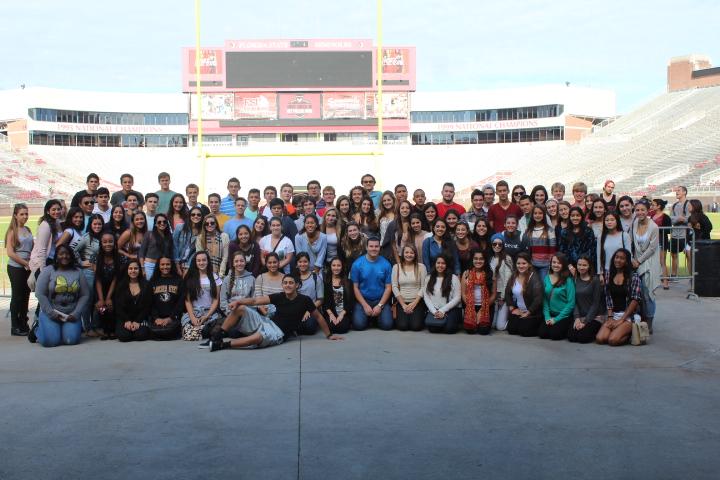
(476, 279)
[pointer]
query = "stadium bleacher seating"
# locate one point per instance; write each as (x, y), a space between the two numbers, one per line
(672, 139)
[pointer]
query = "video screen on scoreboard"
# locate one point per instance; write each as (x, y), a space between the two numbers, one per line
(298, 69)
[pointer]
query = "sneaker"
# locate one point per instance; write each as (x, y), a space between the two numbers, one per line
(216, 345)
(204, 344)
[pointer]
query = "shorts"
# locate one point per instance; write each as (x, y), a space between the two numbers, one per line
(677, 245)
(252, 322)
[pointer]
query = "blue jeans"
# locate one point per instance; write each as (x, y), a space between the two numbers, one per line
(360, 320)
(149, 269)
(648, 304)
(543, 271)
(51, 333)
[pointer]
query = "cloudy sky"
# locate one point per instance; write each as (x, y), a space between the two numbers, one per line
(134, 45)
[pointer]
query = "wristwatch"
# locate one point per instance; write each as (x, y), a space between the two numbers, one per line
(380, 305)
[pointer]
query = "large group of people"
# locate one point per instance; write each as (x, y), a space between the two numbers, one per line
(248, 272)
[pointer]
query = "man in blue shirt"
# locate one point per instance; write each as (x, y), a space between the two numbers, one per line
(233, 223)
(371, 276)
(227, 204)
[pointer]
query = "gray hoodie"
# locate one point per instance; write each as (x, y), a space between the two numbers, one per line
(243, 287)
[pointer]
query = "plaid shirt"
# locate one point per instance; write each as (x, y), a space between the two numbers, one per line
(633, 292)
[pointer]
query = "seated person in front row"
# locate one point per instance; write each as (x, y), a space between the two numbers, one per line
(258, 331)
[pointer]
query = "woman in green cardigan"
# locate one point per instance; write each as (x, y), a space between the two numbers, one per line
(559, 299)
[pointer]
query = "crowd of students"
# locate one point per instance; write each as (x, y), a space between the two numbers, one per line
(237, 274)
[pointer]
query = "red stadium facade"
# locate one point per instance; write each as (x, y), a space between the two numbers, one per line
(298, 88)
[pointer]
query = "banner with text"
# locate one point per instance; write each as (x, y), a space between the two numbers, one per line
(215, 106)
(395, 105)
(343, 105)
(256, 106)
(299, 105)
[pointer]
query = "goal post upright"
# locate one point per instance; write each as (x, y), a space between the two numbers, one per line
(374, 153)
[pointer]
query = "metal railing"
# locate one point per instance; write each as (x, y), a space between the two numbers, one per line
(689, 251)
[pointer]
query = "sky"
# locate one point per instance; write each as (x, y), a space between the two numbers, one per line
(134, 46)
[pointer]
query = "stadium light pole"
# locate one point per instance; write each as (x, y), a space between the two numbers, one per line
(203, 159)
(378, 151)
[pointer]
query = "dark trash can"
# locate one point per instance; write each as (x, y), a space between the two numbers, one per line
(707, 268)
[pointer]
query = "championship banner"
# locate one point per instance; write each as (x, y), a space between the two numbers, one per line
(343, 105)
(210, 61)
(215, 106)
(395, 105)
(256, 106)
(299, 105)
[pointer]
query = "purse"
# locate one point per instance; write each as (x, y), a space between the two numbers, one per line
(640, 333)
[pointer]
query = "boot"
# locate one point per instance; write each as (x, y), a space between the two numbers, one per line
(15, 327)
(649, 321)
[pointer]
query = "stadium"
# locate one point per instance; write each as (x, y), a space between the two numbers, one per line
(327, 118)
(380, 404)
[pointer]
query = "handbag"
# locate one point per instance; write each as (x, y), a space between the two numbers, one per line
(640, 333)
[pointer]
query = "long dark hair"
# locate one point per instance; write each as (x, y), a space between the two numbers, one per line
(236, 253)
(189, 226)
(88, 230)
(482, 240)
(253, 235)
(446, 286)
(183, 211)
(626, 271)
(156, 273)
(192, 278)
(564, 273)
(46, 217)
(124, 281)
(618, 228)
(532, 224)
(102, 254)
(68, 222)
(530, 271)
(539, 188)
(697, 211)
(582, 226)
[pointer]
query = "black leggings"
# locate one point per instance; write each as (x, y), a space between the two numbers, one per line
(343, 326)
(125, 335)
(20, 296)
(525, 327)
(556, 331)
(586, 335)
(414, 321)
(169, 332)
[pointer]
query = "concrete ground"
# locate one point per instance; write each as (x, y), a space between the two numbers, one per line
(379, 405)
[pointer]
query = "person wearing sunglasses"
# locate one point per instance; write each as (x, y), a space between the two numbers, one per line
(502, 267)
(518, 191)
(215, 243)
(185, 238)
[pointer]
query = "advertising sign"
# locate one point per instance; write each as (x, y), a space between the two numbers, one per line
(395, 60)
(343, 105)
(300, 105)
(210, 61)
(260, 106)
(215, 106)
(395, 105)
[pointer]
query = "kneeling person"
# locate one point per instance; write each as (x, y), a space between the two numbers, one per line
(259, 331)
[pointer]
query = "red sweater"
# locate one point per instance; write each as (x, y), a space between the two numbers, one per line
(442, 209)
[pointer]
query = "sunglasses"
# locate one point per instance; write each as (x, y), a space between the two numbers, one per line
(497, 244)
(161, 222)
(518, 194)
(88, 202)
(210, 224)
(196, 214)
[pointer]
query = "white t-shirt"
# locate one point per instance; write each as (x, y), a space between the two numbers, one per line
(205, 300)
(284, 247)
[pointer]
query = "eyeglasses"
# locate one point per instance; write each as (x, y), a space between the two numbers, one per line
(196, 214)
